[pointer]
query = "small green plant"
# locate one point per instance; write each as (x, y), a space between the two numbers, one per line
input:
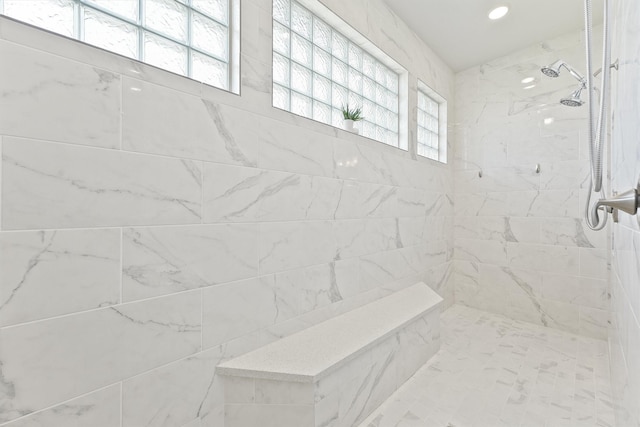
(354, 114)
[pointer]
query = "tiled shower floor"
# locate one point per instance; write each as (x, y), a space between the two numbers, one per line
(495, 372)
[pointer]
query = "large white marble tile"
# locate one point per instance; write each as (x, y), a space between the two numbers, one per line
(485, 251)
(563, 175)
(291, 148)
(357, 162)
(98, 409)
(555, 147)
(386, 267)
(360, 394)
(412, 202)
(50, 361)
(570, 232)
(256, 35)
(415, 230)
(49, 273)
(164, 121)
(304, 290)
(257, 83)
(549, 313)
(513, 178)
(49, 97)
(184, 392)
(243, 415)
(594, 263)
(548, 203)
(361, 237)
(163, 260)
(365, 200)
(60, 186)
(595, 322)
(236, 194)
(172, 395)
(290, 245)
(552, 259)
(234, 309)
(283, 393)
(481, 204)
(498, 228)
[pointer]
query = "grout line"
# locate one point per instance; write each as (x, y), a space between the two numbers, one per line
(202, 319)
(121, 402)
(121, 112)
(202, 190)
(230, 283)
(121, 273)
(8, 423)
(121, 151)
(1, 185)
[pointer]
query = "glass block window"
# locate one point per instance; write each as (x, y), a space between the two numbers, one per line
(428, 136)
(188, 37)
(317, 70)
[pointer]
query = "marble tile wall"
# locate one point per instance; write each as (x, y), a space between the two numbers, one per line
(152, 226)
(624, 336)
(521, 246)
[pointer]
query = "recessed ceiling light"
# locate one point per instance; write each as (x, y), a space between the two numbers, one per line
(528, 80)
(498, 12)
(529, 87)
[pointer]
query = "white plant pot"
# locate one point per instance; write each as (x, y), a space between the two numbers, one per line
(348, 126)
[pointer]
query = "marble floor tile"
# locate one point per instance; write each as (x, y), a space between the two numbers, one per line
(492, 371)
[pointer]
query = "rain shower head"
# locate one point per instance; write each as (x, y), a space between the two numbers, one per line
(553, 70)
(573, 100)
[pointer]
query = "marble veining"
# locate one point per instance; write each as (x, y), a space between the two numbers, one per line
(165, 260)
(192, 127)
(158, 226)
(84, 185)
(36, 266)
(493, 371)
(51, 361)
(51, 91)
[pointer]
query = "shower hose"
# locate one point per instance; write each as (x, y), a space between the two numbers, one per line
(597, 131)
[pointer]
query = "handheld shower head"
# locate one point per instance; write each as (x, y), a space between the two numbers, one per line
(573, 100)
(553, 70)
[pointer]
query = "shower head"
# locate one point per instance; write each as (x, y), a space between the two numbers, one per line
(553, 70)
(573, 100)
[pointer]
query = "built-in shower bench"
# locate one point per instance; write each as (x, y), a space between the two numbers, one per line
(335, 373)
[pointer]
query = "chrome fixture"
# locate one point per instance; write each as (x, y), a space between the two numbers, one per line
(627, 202)
(553, 70)
(573, 100)
(599, 70)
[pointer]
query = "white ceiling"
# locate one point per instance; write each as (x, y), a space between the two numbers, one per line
(462, 35)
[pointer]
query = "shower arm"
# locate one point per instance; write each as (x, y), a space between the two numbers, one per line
(599, 70)
(575, 74)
